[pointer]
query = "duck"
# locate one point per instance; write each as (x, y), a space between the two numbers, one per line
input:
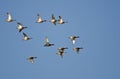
(9, 18)
(47, 44)
(31, 59)
(26, 37)
(61, 49)
(73, 38)
(77, 49)
(61, 53)
(61, 21)
(20, 26)
(40, 20)
(53, 20)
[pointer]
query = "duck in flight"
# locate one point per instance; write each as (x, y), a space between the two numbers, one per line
(53, 20)
(47, 44)
(77, 49)
(73, 38)
(26, 37)
(31, 59)
(62, 49)
(9, 18)
(40, 20)
(61, 53)
(61, 21)
(20, 27)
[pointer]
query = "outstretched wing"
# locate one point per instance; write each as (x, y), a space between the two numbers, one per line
(24, 34)
(19, 23)
(47, 40)
(61, 54)
(31, 60)
(73, 41)
(9, 16)
(39, 18)
(53, 17)
(54, 23)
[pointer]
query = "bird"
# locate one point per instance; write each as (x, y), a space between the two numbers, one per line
(40, 20)
(9, 18)
(62, 49)
(47, 44)
(61, 53)
(77, 49)
(20, 27)
(73, 38)
(26, 37)
(53, 20)
(31, 59)
(61, 21)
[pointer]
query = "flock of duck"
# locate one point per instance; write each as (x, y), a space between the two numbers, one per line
(61, 50)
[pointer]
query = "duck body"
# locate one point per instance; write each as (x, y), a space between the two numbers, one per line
(77, 49)
(40, 20)
(31, 59)
(20, 27)
(47, 44)
(26, 37)
(61, 21)
(9, 18)
(62, 49)
(53, 20)
(73, 38)
(61, 53)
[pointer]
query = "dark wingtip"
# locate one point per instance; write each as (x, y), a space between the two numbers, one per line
(81, 48)
(7, 12)
(78, 36)
(38, 14)
(19, 31)
(25, 27)
(23, 33)
(52, 44)
(45, 20)
(35, 57)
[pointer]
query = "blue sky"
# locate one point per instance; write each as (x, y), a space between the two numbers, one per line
(95, 21)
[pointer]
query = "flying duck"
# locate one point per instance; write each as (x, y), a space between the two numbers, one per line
(61, 21)
(26, 37)
(9, 18)
(47, 44)
(20, 27)
(31, 59)
(77, 49)
(73, 38)
(61, 53)
(53, 20)
(62, 49)
(40, 20)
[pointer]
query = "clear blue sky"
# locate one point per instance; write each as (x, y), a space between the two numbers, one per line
(97, 22)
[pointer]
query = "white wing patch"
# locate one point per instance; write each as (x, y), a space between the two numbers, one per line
(25, 38)
(9, 17)
(73, 41)
(20, 26)
(39, 19)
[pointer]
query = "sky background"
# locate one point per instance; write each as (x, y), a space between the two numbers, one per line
(97, 22)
